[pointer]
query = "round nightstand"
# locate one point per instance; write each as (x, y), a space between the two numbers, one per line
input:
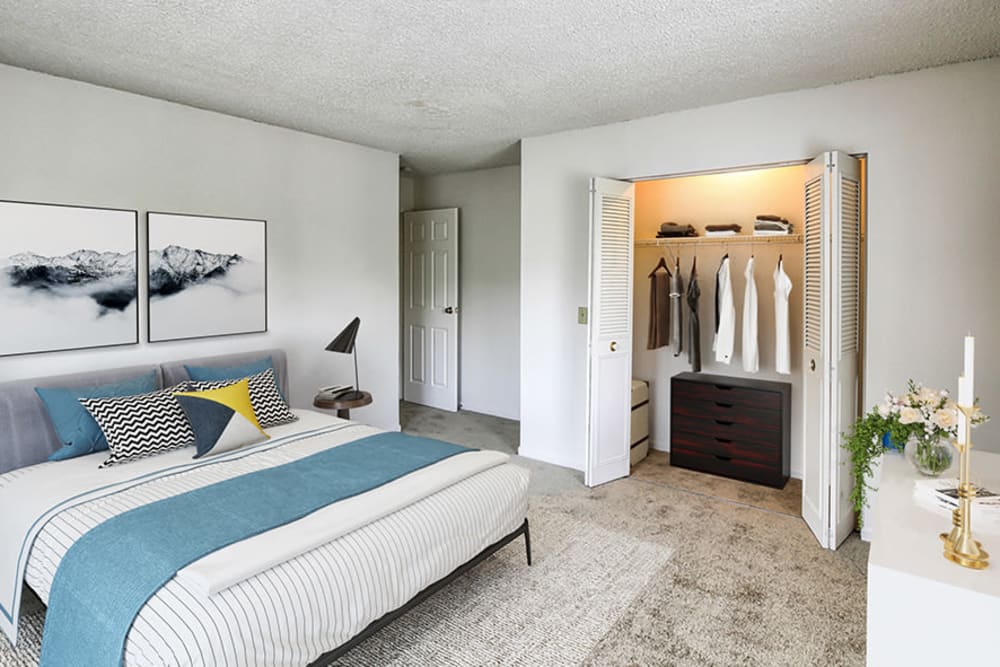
(342, 406)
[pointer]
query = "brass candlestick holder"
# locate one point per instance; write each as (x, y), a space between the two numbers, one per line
(959, 547)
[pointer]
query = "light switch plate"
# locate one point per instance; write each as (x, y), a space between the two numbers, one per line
(581, 315)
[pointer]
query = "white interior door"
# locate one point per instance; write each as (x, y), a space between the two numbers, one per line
(430, 308)
(830, 372)
(612, 205)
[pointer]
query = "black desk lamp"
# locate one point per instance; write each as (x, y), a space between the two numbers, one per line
(344, 343)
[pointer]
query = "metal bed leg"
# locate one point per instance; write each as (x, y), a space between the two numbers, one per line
(527, 542)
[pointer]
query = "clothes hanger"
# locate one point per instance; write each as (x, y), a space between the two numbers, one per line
(670, 254)
(662, 264)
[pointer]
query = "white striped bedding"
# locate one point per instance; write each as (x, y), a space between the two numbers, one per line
(296, 611)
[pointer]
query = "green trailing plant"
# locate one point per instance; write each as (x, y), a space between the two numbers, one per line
(865, 445)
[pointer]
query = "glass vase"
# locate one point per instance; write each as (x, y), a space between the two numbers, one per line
(930, 455)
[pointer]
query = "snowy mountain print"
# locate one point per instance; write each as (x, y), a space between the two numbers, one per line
(106, 277)
(175, 268)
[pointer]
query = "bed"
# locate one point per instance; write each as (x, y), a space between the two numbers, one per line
(303, 592)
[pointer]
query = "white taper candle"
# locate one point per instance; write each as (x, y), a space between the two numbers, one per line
(961, 426)
(964, 392)
(970, 367)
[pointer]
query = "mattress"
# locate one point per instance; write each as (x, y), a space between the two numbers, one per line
(293, 612)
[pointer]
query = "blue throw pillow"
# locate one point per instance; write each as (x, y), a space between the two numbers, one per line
(216, 373)
(76, 429)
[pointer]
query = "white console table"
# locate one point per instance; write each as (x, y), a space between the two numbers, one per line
(923, 609)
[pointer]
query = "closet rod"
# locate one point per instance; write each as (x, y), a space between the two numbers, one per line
(742, 239)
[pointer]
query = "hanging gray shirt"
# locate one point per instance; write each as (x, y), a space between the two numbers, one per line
(676, 325)
(694, 326)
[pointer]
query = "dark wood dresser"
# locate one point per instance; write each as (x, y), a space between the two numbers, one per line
(734, 427)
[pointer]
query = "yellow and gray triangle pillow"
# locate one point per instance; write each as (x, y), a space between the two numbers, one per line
(222, 419)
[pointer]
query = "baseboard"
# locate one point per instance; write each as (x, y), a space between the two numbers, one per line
(471, 407)
(528, 454)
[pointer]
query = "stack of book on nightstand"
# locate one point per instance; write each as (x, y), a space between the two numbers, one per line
(335, 390)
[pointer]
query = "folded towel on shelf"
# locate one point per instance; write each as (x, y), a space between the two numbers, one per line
(733, 227)
(771, 232)
(721, 232)
(773, 226)
(673, 230)
(772, 218)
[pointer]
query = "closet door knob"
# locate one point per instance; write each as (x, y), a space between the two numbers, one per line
(614, 345)
(812, 364)
(450, 310)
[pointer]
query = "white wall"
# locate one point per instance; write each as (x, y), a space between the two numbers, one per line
(934, 219)
(714, 199)
(489, 281)
(331, 209)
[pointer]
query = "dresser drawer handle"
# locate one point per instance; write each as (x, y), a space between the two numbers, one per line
(723, 422)
(723, 405)
(722, 457)
(723, 387)
(724, 441)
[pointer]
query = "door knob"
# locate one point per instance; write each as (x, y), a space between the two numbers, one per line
(450, 310)
(812, 364)
(614, 345)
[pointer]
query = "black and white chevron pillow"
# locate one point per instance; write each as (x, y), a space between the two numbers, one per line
(268, 405)
(141, 425)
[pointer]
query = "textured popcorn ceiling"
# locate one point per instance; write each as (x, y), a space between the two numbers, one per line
(454, 84)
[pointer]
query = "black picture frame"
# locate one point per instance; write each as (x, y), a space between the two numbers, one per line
(78, 283)
(153, 294)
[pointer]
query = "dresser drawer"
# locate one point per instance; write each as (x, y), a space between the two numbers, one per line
(719, 392)
(718, 464)
(710, 429)
(725, 448)
(765, 424)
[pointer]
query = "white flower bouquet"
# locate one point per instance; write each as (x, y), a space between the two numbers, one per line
(923, 412)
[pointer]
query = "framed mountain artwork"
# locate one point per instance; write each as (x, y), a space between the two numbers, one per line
(207, 276)
(67, 277)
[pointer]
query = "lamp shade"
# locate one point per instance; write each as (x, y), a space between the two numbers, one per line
(344, 342)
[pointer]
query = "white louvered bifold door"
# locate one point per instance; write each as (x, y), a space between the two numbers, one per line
(830, 372)
(610, 331)
(845, 186)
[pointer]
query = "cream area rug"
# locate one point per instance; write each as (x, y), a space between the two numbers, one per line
(501, 612)
(582, 579)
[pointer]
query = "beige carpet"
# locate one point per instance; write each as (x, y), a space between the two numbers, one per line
(656, 469)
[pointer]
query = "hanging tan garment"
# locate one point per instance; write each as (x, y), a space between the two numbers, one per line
(659, 310)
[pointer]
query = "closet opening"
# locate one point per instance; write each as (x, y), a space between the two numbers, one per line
(753, 220)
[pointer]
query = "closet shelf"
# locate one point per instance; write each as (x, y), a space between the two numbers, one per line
(741, 239)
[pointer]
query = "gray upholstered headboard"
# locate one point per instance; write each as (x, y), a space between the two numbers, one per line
(26, 434)
(174, 371)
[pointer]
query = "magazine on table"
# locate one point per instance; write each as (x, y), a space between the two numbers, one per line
(941, 495)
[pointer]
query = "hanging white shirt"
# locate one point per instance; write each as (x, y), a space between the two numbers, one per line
(782, 348)
(751, 356)
(725, 337)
